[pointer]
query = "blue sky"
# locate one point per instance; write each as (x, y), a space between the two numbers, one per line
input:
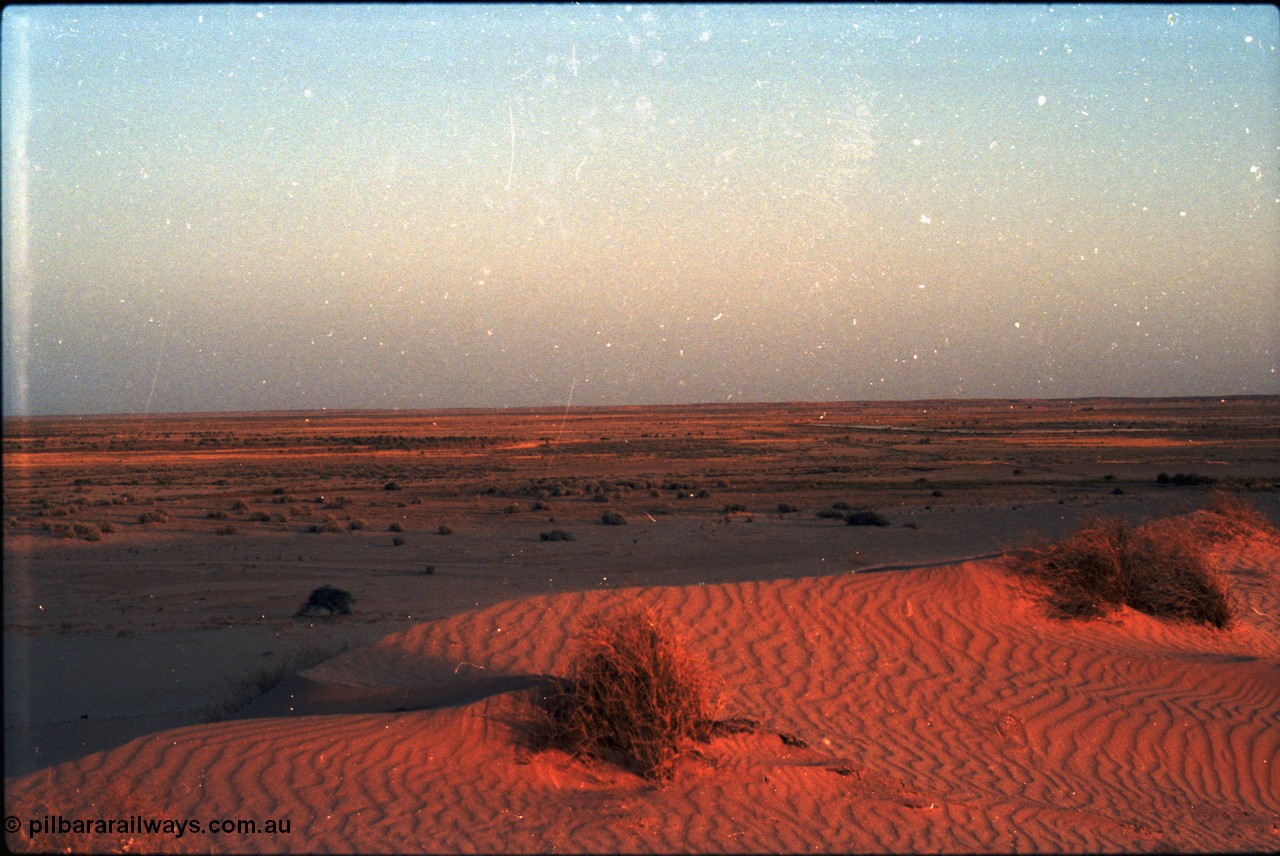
(292, 207)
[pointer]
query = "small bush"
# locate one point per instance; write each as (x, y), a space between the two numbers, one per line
(613, 518)
(865, 518)
(445, 529)
(356, 524)
(217, 515)
(329, 524)
(1232, 516)
(240, 506)
(1185, 480)
(1160, 569)
(58, 530)
(87, 531)
(397, 541)
(335, 600)
(391, 486)
(555, 535)
(260, 517)
(154, 516)
(787, 508)
(633, 694)
(395, 527)
(228, 529)
(831, 514)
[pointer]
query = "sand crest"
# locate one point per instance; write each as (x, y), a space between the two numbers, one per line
(935, 709)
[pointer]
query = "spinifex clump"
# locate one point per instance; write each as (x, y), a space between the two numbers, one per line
(633, 694)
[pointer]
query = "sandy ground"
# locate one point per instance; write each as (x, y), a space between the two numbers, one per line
(939, 706)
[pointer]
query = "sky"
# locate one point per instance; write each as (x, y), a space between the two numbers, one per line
(256, 207)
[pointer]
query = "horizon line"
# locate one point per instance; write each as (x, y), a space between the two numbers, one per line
(559, 408)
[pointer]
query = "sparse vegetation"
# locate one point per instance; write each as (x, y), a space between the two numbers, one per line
(328, 524)
(87, 531)
(1160, 569)
(1235, 516)
(613, 518)
(633, 694)
(1185, 480)
(865, 518)
(155, 515)
(335, 600)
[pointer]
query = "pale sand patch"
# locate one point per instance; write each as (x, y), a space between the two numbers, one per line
(940, 710)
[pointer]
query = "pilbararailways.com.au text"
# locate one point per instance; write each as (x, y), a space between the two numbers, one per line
(56, 824)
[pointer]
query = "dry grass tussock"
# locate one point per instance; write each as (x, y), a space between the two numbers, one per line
(1229, 516)
(634, 694)
(1160, 568)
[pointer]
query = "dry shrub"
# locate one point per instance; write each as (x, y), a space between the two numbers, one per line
(634, 694)
(1232, 516)
(1161, 569)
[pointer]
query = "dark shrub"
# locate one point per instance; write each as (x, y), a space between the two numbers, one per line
(240, 506)
(391, 486)
(395, 527)
(356, 524)
(787, 508)
(555, 535)
(1190, 480)
(329, 524)
(865, 518)
(445, 529)
(397, 541)
(633, 694)
(335, 600)
(87, 531)
(831, 514)
(226, 529)
(154, 516)
(612, 518)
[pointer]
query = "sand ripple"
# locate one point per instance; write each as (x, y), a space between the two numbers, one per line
(932, 709)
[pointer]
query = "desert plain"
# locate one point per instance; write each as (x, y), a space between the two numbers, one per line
(908, 692)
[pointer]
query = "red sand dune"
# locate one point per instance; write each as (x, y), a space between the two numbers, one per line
(941, 709)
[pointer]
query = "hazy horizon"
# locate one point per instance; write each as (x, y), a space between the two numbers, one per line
(348, 207)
